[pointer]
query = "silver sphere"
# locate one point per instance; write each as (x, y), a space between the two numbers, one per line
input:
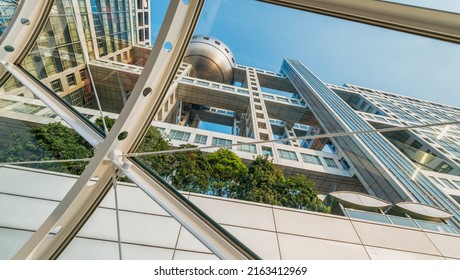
(211, 59)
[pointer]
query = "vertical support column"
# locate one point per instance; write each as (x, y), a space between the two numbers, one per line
(289, 131)
(260, 119)
(168, 107)
(92, 28)
(130, 8)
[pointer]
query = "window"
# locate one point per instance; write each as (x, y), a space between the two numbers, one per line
(220, 141)
(249, 148)
(28, 108)
(416, 144)
(267, 151)
(56, 85)
(201, 139)
(288, 155)
(447, 183)
(71, 79)
(5, 103)
(141, 35)
(83, 75)
(160, 129)
(311, 159)
(179, 135)
(345, 164)
(330, 162)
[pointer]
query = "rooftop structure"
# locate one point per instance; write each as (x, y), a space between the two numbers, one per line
(211, 59)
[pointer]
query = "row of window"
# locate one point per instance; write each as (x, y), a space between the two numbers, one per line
(56, 85)
(250, 148)
(291, 155)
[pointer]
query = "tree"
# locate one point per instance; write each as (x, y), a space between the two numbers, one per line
(298, 193)
(227, 169)
(262, 182)
(153, 141)
(50, 141)
(191, 170)
(221, 173)
(265, 183)
(108, 121)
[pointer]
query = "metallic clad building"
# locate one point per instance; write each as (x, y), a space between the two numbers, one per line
(383, 169)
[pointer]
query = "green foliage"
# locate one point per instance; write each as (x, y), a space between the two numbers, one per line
(265, 183)
(227, 170)
(191, 170)
(155, 141)
(221, 173)
(262, 182)
(46, 142)
(109, 122)
(298, 193)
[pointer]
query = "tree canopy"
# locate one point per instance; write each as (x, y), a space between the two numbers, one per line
(48, 142)
(190, 170)
(227, 170)
(220, 173)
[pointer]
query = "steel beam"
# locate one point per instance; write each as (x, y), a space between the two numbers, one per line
(426, 22)
(22, 32)
(211, 234)
(134, 120)
(71, 117)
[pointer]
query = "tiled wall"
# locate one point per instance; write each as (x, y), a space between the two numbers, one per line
(148, 232)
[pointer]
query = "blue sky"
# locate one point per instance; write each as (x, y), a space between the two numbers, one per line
(337, 51)
(442, 5)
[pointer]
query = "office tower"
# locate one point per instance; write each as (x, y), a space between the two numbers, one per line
(395, 172)
(97, 29)
(211, 100)
(7, 9)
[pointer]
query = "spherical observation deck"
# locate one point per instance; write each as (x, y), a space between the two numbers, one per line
(211, 59)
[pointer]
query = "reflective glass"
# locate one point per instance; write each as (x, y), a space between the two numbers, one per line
(278, 106)
(369, 216)
(74, 36)
(7, 10)
(402, 221)
(31, 131)
(439, 227)
(88, 52)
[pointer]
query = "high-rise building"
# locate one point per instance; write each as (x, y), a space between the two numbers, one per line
(392, 163)
(99, 30)
(7, 9)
